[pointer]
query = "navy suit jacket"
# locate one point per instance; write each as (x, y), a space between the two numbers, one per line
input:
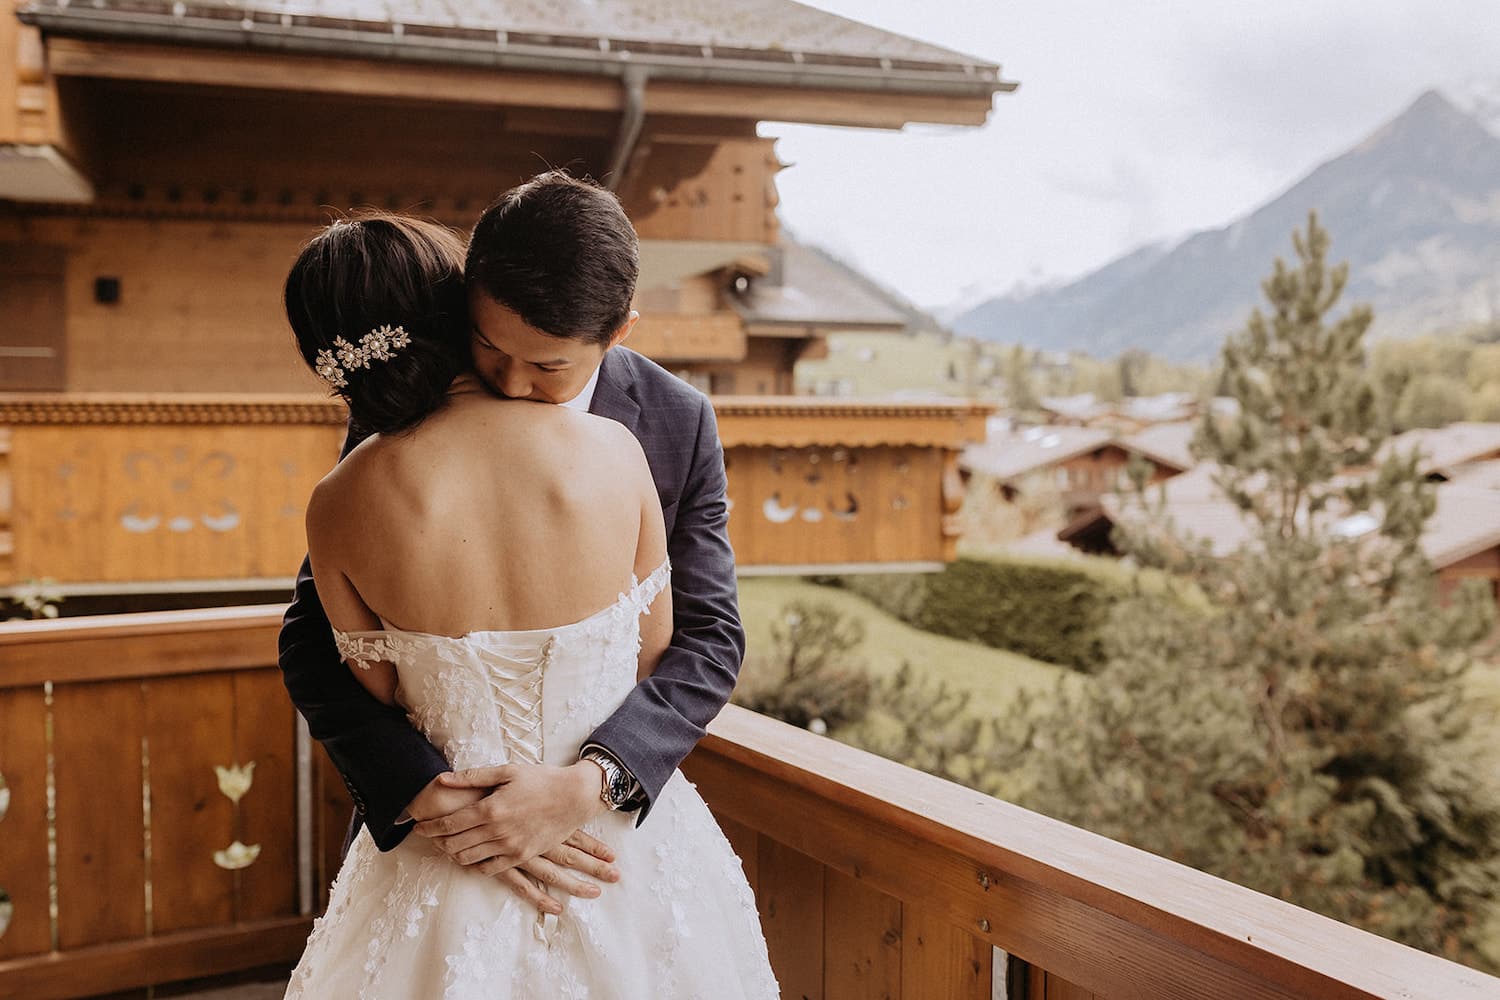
(385, 762)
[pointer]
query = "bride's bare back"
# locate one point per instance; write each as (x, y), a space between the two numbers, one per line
(489, 515)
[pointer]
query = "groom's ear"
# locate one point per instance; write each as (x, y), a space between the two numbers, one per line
(618, 337)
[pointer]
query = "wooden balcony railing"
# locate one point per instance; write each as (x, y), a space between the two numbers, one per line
(113, 493)
(817, 483)
(117, 848)
(873, 880)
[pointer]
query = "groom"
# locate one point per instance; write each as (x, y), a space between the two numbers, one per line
(551, 271)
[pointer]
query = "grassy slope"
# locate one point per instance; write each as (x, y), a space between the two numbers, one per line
(993, 675)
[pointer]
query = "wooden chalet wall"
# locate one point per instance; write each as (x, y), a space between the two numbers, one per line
(204, 200)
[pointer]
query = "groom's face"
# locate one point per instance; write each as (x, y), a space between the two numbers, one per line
(519, 361)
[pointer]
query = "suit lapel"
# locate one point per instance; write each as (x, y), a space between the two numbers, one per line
(612, 397)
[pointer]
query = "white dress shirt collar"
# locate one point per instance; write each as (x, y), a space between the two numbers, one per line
(586, 397)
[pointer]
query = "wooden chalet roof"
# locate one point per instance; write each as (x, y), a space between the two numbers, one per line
(1010, 455)
(1165, 444)
(732, 41)
(1443, 448)
(806, 287)
(1466, 522)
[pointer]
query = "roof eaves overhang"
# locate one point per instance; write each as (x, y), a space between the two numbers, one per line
(757, 327)
(202, 26)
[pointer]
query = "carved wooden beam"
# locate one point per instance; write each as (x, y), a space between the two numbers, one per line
(99, 408)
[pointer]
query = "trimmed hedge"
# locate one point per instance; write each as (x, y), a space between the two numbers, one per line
(1055, 611)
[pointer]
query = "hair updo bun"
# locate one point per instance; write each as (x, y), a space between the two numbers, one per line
(376, 272)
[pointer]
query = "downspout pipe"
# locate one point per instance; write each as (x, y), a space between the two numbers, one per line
(632, 118)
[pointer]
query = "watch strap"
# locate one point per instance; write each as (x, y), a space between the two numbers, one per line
(618, 786)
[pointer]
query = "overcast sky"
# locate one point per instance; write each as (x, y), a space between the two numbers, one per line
(1135, 122)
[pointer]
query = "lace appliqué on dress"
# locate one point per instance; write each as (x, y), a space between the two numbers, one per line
(612, 639)
(362, 649)
(407, 901)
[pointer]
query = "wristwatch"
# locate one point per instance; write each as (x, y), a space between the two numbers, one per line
(617, 786)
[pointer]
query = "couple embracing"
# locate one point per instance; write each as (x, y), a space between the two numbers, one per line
(535, 610)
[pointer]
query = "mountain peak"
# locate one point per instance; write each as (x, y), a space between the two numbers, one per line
(1414, 209)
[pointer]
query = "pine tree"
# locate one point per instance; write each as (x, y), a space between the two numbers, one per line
(1020, 388)
(1289, 715)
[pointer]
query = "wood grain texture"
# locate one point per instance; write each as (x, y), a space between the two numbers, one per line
(101, 869)
(265, 732)
(156, 644)
(941, 961)
(791, 913)
(23, 830)
(1117, 921)
(1058, 988)
(862, 941)
(487, 86)
(190, 728)
(171, 957)
(164, 503)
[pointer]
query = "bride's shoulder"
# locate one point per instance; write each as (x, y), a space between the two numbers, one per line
(344, 483)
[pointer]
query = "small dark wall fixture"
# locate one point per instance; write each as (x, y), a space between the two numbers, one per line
(107, 291)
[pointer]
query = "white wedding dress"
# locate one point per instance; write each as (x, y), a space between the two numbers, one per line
(412, 925)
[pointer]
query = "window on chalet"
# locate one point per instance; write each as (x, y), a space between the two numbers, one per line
(698, 380)
(33, 336)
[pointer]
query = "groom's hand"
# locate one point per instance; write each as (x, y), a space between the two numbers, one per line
(531, 818)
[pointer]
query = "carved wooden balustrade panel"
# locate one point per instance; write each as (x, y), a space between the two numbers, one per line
(101, 489)
(150, 832)
(823, 483)
(128, 491)
(835, 505)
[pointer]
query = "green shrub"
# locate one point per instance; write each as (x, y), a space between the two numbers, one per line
(810, 679)
(1051, 610)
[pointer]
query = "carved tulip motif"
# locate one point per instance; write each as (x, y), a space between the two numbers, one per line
(237, 856)
(235, 781)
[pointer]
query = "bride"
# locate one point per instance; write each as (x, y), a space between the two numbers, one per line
(496, 568)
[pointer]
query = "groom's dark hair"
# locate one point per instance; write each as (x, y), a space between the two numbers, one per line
(560, 253)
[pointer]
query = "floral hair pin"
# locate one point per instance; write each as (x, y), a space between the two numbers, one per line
(381, 344)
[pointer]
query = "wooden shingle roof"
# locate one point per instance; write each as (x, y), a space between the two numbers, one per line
(777, 40)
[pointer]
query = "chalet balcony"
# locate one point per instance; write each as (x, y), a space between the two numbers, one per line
(127, 860)
(114, 494)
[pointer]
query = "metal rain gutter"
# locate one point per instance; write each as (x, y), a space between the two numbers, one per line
(634, 82)
(496, 50)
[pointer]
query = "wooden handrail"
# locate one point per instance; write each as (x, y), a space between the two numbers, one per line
(151, 644)
(1106, 916)
(813, 421)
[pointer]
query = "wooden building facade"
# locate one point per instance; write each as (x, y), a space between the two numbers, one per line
(161, 163)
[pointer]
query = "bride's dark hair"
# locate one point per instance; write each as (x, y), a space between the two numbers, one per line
(381, 270)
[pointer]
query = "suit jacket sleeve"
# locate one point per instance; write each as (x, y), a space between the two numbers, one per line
(383, 760)
(664, 716)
